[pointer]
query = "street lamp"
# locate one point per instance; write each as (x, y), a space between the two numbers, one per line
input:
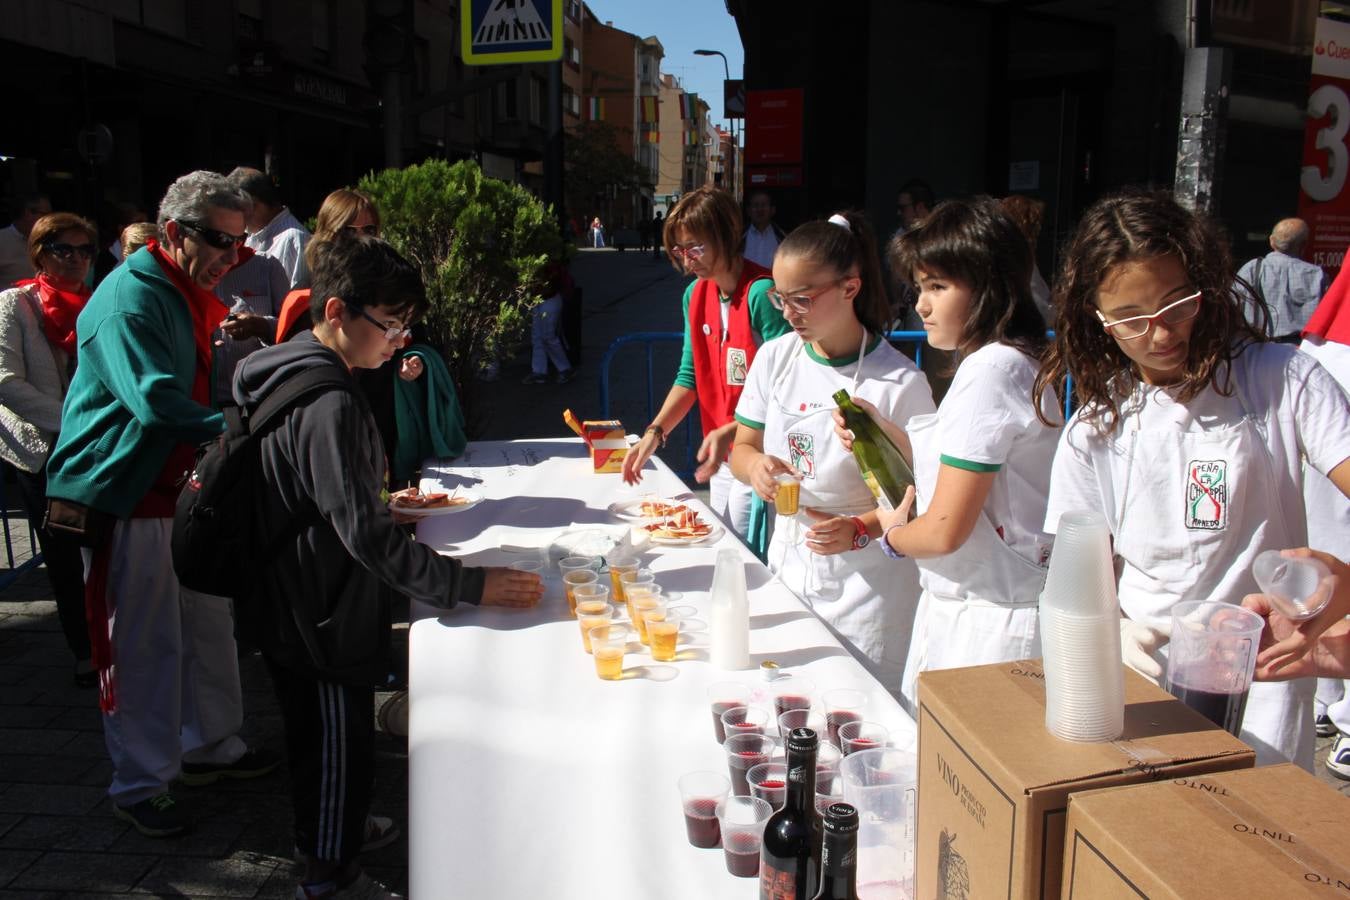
(726, 68)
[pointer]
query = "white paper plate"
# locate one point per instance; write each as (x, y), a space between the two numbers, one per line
(473, 497)
(631, 510)
(687, 542)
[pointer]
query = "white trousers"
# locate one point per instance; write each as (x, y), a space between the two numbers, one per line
(730, 499)
(174, 665)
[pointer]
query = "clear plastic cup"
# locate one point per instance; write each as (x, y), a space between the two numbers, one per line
(882, 784)
(768, 782)
(572, 580)
(663, 632)
(592, 614)
(1298, 587)
(1081, 578)
(609, 643)
(745, 720)
(1211, 659)
(787, 494)
(744, 752)
(800, 718)
(641, 606)
(533, 566)
(700, 792)
(791, 693)
(842, 705)
(856, 736)
(634, 591)
(722, 696)
(595, 590)
(741, 820)
(618, 565)
(1084, 679)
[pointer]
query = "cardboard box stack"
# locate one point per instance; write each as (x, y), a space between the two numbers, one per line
(994, 785)
(1273, 832)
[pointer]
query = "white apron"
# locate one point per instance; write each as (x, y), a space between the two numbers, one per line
(979, 602)
(1204, 504)
(864, 597)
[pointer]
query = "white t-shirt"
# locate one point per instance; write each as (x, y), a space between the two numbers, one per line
(787, 375)
(1297, 405)
(760, 246)
(987, 423)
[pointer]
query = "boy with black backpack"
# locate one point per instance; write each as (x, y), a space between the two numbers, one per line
(322, 604)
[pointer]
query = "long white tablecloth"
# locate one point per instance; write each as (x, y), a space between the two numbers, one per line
(529, 776)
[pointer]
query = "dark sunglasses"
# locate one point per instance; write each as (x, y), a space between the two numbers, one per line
(372, 230)
(221, 240)
(67, 252)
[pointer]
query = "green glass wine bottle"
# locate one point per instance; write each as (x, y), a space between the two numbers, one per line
(881, 463)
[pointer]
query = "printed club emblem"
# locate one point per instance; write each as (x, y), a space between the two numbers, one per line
(1207, 494)
(737, 366)
(802, 453)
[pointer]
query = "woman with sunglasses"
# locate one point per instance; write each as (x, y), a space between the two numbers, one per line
(827, 283)
(1191, 432)
(727, 316)
(37, 358)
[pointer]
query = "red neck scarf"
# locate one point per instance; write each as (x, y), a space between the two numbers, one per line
(207, 311)
(1331, 320)
(60, 309)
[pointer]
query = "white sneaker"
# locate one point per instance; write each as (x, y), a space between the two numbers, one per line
(1325, 727)
(1338, 760)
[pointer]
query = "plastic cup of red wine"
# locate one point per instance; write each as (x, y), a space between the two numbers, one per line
(799, 718)
(791, 693)
(842, 705)
(1211, 659)
(745, 720)
(768, 782)
(741, 820)
(722, 696)
(744, 752)
(857, 736)
(700, 792)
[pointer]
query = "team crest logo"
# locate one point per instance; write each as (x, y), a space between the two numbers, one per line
(1207, 494)
(802, 453)
(737, 366)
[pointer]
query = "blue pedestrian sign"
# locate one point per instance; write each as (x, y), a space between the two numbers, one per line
(511, 31)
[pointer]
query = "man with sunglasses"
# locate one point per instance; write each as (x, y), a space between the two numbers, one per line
(138, 406)
(273, 230)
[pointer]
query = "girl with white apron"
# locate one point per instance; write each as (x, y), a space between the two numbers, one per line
(825, 555)
(1198, 473)
(982, 461)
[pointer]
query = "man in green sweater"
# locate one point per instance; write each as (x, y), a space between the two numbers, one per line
(139, 403)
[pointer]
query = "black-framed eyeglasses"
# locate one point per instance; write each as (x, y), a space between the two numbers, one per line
(372, 230)
(214, 237)
(67, 252)
(800, 302)
(1137, 326)
(392, 333)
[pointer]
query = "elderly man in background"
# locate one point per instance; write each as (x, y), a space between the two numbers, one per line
(14, 262)
(273, 230)
(1288, 286)
(137, 407)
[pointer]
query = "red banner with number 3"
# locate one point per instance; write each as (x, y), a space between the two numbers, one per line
(1323, 200)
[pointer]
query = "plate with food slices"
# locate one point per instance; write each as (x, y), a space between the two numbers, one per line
(413, 502)
(645, 509)
(682, 527)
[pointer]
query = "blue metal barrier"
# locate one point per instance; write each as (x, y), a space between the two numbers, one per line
(917, 339)
(692, 439)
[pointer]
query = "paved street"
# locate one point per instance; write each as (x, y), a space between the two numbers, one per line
(57, 835)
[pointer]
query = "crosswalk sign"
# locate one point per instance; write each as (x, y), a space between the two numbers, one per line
(510, 31)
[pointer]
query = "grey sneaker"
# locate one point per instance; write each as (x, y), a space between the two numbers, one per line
(363, 887)
(158, 816)
(381, 831)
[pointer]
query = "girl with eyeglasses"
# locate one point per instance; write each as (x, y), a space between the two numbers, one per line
(827, 284)
(37, 358)
(1191, 431)
(982, 461)
(727, 316)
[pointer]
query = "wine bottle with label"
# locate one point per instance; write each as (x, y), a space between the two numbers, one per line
(881, 463)
(839, 854)
(789, 861)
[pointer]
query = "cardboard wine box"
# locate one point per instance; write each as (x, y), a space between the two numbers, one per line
(608, 444)
(1262, 833)
(994, 784)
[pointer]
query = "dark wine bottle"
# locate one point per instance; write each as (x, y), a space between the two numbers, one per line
(789, 863)
(839, 854)
(881, 463)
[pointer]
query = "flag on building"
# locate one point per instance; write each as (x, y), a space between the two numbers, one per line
(595, 109)
(691, 139)
(649, 111)
(689, 106)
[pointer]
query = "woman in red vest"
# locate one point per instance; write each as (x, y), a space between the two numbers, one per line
(727, 315)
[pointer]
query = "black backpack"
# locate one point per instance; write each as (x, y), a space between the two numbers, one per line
(217, 547)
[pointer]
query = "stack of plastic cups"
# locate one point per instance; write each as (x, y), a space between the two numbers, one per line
(1080, 634)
